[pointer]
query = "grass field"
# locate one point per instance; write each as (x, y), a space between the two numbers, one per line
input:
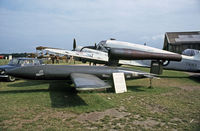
(172, 104)
(3, 62)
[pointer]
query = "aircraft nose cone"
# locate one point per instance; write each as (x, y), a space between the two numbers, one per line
(26, 72)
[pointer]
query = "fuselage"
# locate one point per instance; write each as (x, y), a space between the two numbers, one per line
(139, 47)
(64, 71)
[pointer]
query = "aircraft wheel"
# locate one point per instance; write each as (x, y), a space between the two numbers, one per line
(11, 78)
(165, 63)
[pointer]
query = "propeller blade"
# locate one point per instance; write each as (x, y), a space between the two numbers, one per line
(74, 44)
(95, 45)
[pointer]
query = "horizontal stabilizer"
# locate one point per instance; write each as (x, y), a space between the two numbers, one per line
(88, 82)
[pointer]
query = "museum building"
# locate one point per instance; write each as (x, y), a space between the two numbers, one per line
(179, 41)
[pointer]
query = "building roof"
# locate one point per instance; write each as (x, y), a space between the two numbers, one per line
(183, 37)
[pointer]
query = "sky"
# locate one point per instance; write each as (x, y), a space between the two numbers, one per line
(26, 24)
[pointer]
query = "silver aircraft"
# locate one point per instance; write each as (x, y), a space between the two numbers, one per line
(190, 59)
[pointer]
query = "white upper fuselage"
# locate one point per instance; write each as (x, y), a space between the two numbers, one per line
(127, 45)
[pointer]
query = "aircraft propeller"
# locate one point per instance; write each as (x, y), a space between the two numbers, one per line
(90, 47)
(74, 44)
(95, 45)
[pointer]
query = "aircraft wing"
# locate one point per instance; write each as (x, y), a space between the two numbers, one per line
(88, 82)
(78, 54)
(97, 57)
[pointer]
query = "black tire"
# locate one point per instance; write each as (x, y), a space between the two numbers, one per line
(10, 79)
(165, 63)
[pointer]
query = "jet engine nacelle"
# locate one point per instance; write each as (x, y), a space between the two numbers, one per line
(129, 54)
(158, 59)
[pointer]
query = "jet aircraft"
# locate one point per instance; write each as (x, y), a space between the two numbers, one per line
(83, 77)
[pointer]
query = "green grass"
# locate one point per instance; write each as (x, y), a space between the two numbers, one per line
(55, 105)
(3, 62)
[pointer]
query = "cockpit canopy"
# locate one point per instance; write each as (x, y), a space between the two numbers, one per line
(24, 61)
(101, 46)
(190, 52)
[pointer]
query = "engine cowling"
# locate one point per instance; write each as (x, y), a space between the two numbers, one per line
(129, 54)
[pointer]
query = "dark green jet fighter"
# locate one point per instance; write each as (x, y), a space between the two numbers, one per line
(83, 77)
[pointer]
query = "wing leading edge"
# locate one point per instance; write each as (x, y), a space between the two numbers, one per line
(88, 82)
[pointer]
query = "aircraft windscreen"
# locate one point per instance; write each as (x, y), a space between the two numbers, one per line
(101, 46)
(190, 52)
(103, 42)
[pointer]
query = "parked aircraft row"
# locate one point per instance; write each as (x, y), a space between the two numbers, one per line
(110, 52)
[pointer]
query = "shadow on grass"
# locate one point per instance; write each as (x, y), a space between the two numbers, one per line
(195, 78)
(28, 83)
(136, 88)
(61, 93)
(173, 76)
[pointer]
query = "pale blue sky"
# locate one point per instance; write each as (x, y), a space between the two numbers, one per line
(25, 24)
